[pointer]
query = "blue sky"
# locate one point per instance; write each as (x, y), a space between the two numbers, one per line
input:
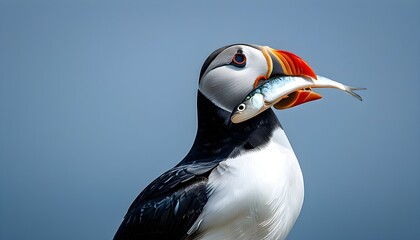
(97, 98)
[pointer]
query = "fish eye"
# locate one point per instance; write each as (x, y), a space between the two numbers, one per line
(241, 107)
(239, 59)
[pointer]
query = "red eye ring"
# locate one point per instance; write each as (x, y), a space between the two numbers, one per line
(239, 59)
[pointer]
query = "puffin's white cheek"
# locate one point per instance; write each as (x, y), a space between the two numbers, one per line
(226, 87)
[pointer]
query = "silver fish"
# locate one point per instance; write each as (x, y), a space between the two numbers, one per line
(276, 89)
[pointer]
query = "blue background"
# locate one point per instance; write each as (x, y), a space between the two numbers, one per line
(97, 98)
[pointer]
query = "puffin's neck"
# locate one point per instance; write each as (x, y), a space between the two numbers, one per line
(218, 138)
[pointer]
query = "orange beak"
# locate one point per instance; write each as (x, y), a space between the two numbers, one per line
(282, 63)
(296, 98)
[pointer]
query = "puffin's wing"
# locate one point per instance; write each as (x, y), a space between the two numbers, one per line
(169, 206)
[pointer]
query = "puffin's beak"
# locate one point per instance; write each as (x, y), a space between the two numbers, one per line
(286, 63)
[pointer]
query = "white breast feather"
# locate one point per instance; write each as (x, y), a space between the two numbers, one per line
(257, 195)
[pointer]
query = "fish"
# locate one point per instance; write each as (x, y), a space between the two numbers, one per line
(278, 88)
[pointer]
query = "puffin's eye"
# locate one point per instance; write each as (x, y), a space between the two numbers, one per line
(239, 60)
(241, 107)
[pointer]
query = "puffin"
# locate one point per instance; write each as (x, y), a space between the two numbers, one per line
(239, 180)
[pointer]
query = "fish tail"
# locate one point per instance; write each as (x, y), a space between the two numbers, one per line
(350, 90)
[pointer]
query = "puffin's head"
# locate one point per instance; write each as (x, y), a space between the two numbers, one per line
(231, 72)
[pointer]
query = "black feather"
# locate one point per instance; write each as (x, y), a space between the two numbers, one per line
(169, 206)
